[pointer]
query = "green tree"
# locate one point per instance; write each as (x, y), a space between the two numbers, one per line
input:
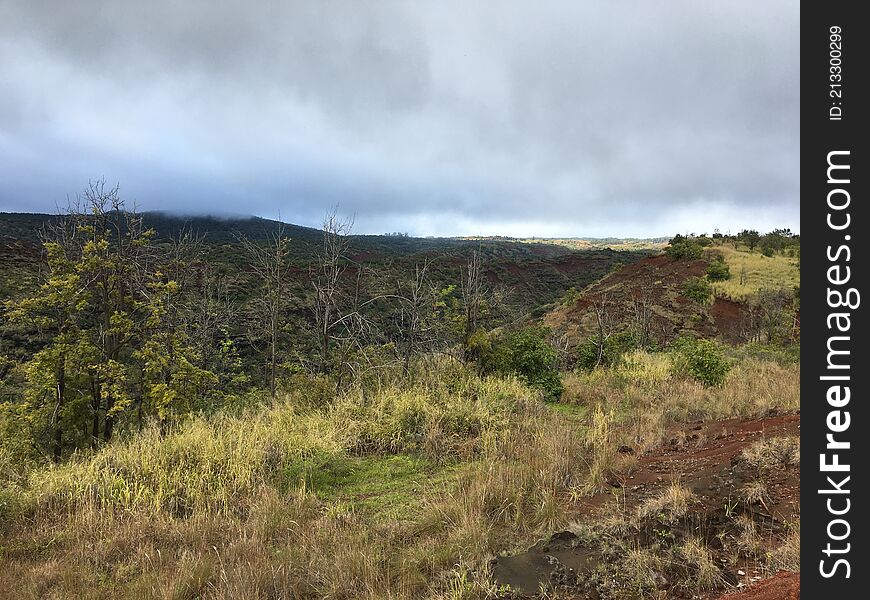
(62, 363)
(102, 307)
(698, 289)
(718, 270)
(750, 237)
(681, 247)
(701, 359)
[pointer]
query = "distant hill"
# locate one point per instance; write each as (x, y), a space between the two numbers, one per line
(25, 227)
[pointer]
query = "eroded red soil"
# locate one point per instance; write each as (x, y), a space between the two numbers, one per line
(658, 282)
(706, 458)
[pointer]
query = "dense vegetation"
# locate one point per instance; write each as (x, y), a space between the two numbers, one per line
(120, 318)
(282, 412)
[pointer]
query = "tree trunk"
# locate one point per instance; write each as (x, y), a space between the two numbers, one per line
(61, 392)
(95, 405)
(110, 421)
(274, 352)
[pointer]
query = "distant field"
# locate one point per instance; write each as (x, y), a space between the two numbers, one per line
(758, 272)
(594, 243)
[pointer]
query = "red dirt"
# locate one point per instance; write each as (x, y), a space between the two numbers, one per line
(705, 457)
(730, 318)
(784, 585)
(659, 282)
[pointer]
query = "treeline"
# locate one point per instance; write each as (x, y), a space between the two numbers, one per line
(778, 241)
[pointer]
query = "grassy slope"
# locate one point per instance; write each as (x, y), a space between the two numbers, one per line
(774, 272)
(365, 499)
(661, 281)
(404, 492)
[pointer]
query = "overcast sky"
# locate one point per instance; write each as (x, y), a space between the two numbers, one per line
(570, 118)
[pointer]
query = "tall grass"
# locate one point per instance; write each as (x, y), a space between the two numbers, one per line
(246, 506)
(216, 509)
(646, 397)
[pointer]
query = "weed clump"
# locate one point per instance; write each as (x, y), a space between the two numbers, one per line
(670, 506)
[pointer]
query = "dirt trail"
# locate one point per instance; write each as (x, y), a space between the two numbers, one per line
(706, 458)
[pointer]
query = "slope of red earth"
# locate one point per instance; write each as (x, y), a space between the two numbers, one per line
(706, 458)
(659, 282)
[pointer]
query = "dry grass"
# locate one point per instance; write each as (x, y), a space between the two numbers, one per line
(759, 272)
(749, 541)
(600, 444)
(217, 510)
(642, 569)
(707, 575)
(257, 505)
(671, 505)
(787, 557)
(773, 453)
(646, 400)
(756, 492)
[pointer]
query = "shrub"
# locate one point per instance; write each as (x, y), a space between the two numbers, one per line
(702, 359)
(528, 354)
(682, 247)
(718, 270)
(698, 289)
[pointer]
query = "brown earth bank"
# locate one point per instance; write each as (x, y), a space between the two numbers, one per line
(656, 282)
(709, 461)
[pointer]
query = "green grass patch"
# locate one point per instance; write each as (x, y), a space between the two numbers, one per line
(383, 487)
(572, 412)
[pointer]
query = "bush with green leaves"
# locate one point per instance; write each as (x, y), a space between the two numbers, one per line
(527, 353)
(702, 359)
(718, 270)
(698, 289)
(683, 247)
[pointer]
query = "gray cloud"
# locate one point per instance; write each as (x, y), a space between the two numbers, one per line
(531, 118)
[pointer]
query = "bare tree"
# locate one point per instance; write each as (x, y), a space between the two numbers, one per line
(269, 261)
(776, 313)
(473, 295)
(326, 277)
(643, 314)
(601, 304)
(416, 302)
